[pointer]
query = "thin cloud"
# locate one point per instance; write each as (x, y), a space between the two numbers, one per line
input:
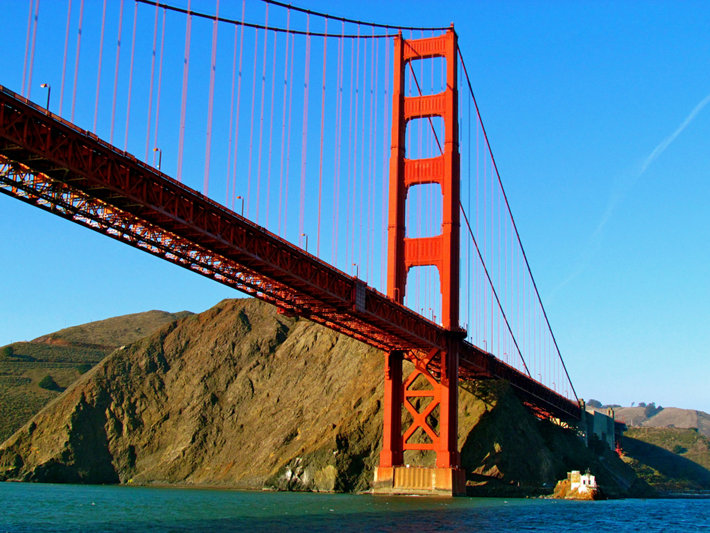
(622, 189)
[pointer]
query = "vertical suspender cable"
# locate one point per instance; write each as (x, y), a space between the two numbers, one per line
(288, 139)
(261, 114)
(251, 117)
(338, 140)
(351, 237)
(76, 58)
(304, 140)
(115, 73)
(350, 149)
(130, 74)
(469, 268)
(478, 285)
(64, 60)
(283, 120)
(238, 107)
(361, 197)
(27, 47)
(160, 83)
(152, 78)
(322, 123)
(369, 251)
(32, 52)
(231, 115)
(210, 105)
(271, 129)
(183, 99)
(98, 68)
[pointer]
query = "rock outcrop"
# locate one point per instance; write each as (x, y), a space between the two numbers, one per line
(243, 397)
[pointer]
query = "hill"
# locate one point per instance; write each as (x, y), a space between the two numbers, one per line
(58, 359)
(669, 448)
(672, 460)
(669, 417)
(240, 396)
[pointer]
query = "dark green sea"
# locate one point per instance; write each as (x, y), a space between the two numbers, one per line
(45, 507)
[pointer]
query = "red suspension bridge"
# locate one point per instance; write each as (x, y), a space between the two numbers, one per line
(282, 118)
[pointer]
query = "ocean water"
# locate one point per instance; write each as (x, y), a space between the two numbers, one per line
(46, 507)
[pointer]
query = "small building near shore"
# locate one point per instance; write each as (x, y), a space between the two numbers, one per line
(581, 483)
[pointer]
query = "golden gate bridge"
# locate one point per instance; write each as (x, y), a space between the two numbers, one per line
(336, 168)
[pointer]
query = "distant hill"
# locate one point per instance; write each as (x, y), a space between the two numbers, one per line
(668, 417)
(35, 372)
(669, 448)
(240, 396)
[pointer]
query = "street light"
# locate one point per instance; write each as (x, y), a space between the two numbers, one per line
(242, 199)
(49, 92)
(357, 270)
(306, 236)
(160, 156)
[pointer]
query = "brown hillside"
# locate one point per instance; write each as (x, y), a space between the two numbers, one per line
(112, 332)
(63, 356)
(243, 397)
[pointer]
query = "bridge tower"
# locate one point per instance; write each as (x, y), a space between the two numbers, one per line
(442, 251)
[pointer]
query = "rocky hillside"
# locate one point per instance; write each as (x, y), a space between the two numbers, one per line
(59, 359)
(240, 396)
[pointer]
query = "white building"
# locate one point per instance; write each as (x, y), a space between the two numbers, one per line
(582, 483)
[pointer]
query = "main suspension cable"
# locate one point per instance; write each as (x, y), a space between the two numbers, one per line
(276, 28)
(515, 227)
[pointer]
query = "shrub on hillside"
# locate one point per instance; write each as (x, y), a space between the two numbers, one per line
(651, 410)
(47, 382)
(6, 352)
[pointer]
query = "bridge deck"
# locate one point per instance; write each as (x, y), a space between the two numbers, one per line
(50, 163)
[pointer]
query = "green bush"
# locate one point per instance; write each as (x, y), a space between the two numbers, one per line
(47, 382)
(6, 352)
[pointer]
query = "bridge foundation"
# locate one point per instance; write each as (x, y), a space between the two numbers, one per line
(419, 480)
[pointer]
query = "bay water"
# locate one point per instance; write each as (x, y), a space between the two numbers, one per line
(47, 507)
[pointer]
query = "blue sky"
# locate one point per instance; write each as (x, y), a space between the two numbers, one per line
(599, 118)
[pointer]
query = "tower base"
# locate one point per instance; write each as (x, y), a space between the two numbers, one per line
(419, 480)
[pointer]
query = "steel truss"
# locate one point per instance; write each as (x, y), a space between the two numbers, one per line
(50, 163)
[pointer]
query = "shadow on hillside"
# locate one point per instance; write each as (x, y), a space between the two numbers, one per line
(670, 465)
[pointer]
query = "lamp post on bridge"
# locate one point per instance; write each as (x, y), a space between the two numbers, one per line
(357, 270)
(242, 199)
(306, 237)
(160, 156)
(49, 92)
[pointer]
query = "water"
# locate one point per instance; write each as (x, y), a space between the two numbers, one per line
(44, 507)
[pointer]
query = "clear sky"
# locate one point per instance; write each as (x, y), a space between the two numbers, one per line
(599, 118)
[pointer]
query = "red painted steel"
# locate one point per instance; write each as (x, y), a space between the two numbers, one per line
(50, 163)
(441, 251)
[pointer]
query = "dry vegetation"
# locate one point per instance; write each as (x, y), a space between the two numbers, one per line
(62, 356)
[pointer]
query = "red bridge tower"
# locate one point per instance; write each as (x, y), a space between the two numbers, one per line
(442, 251)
